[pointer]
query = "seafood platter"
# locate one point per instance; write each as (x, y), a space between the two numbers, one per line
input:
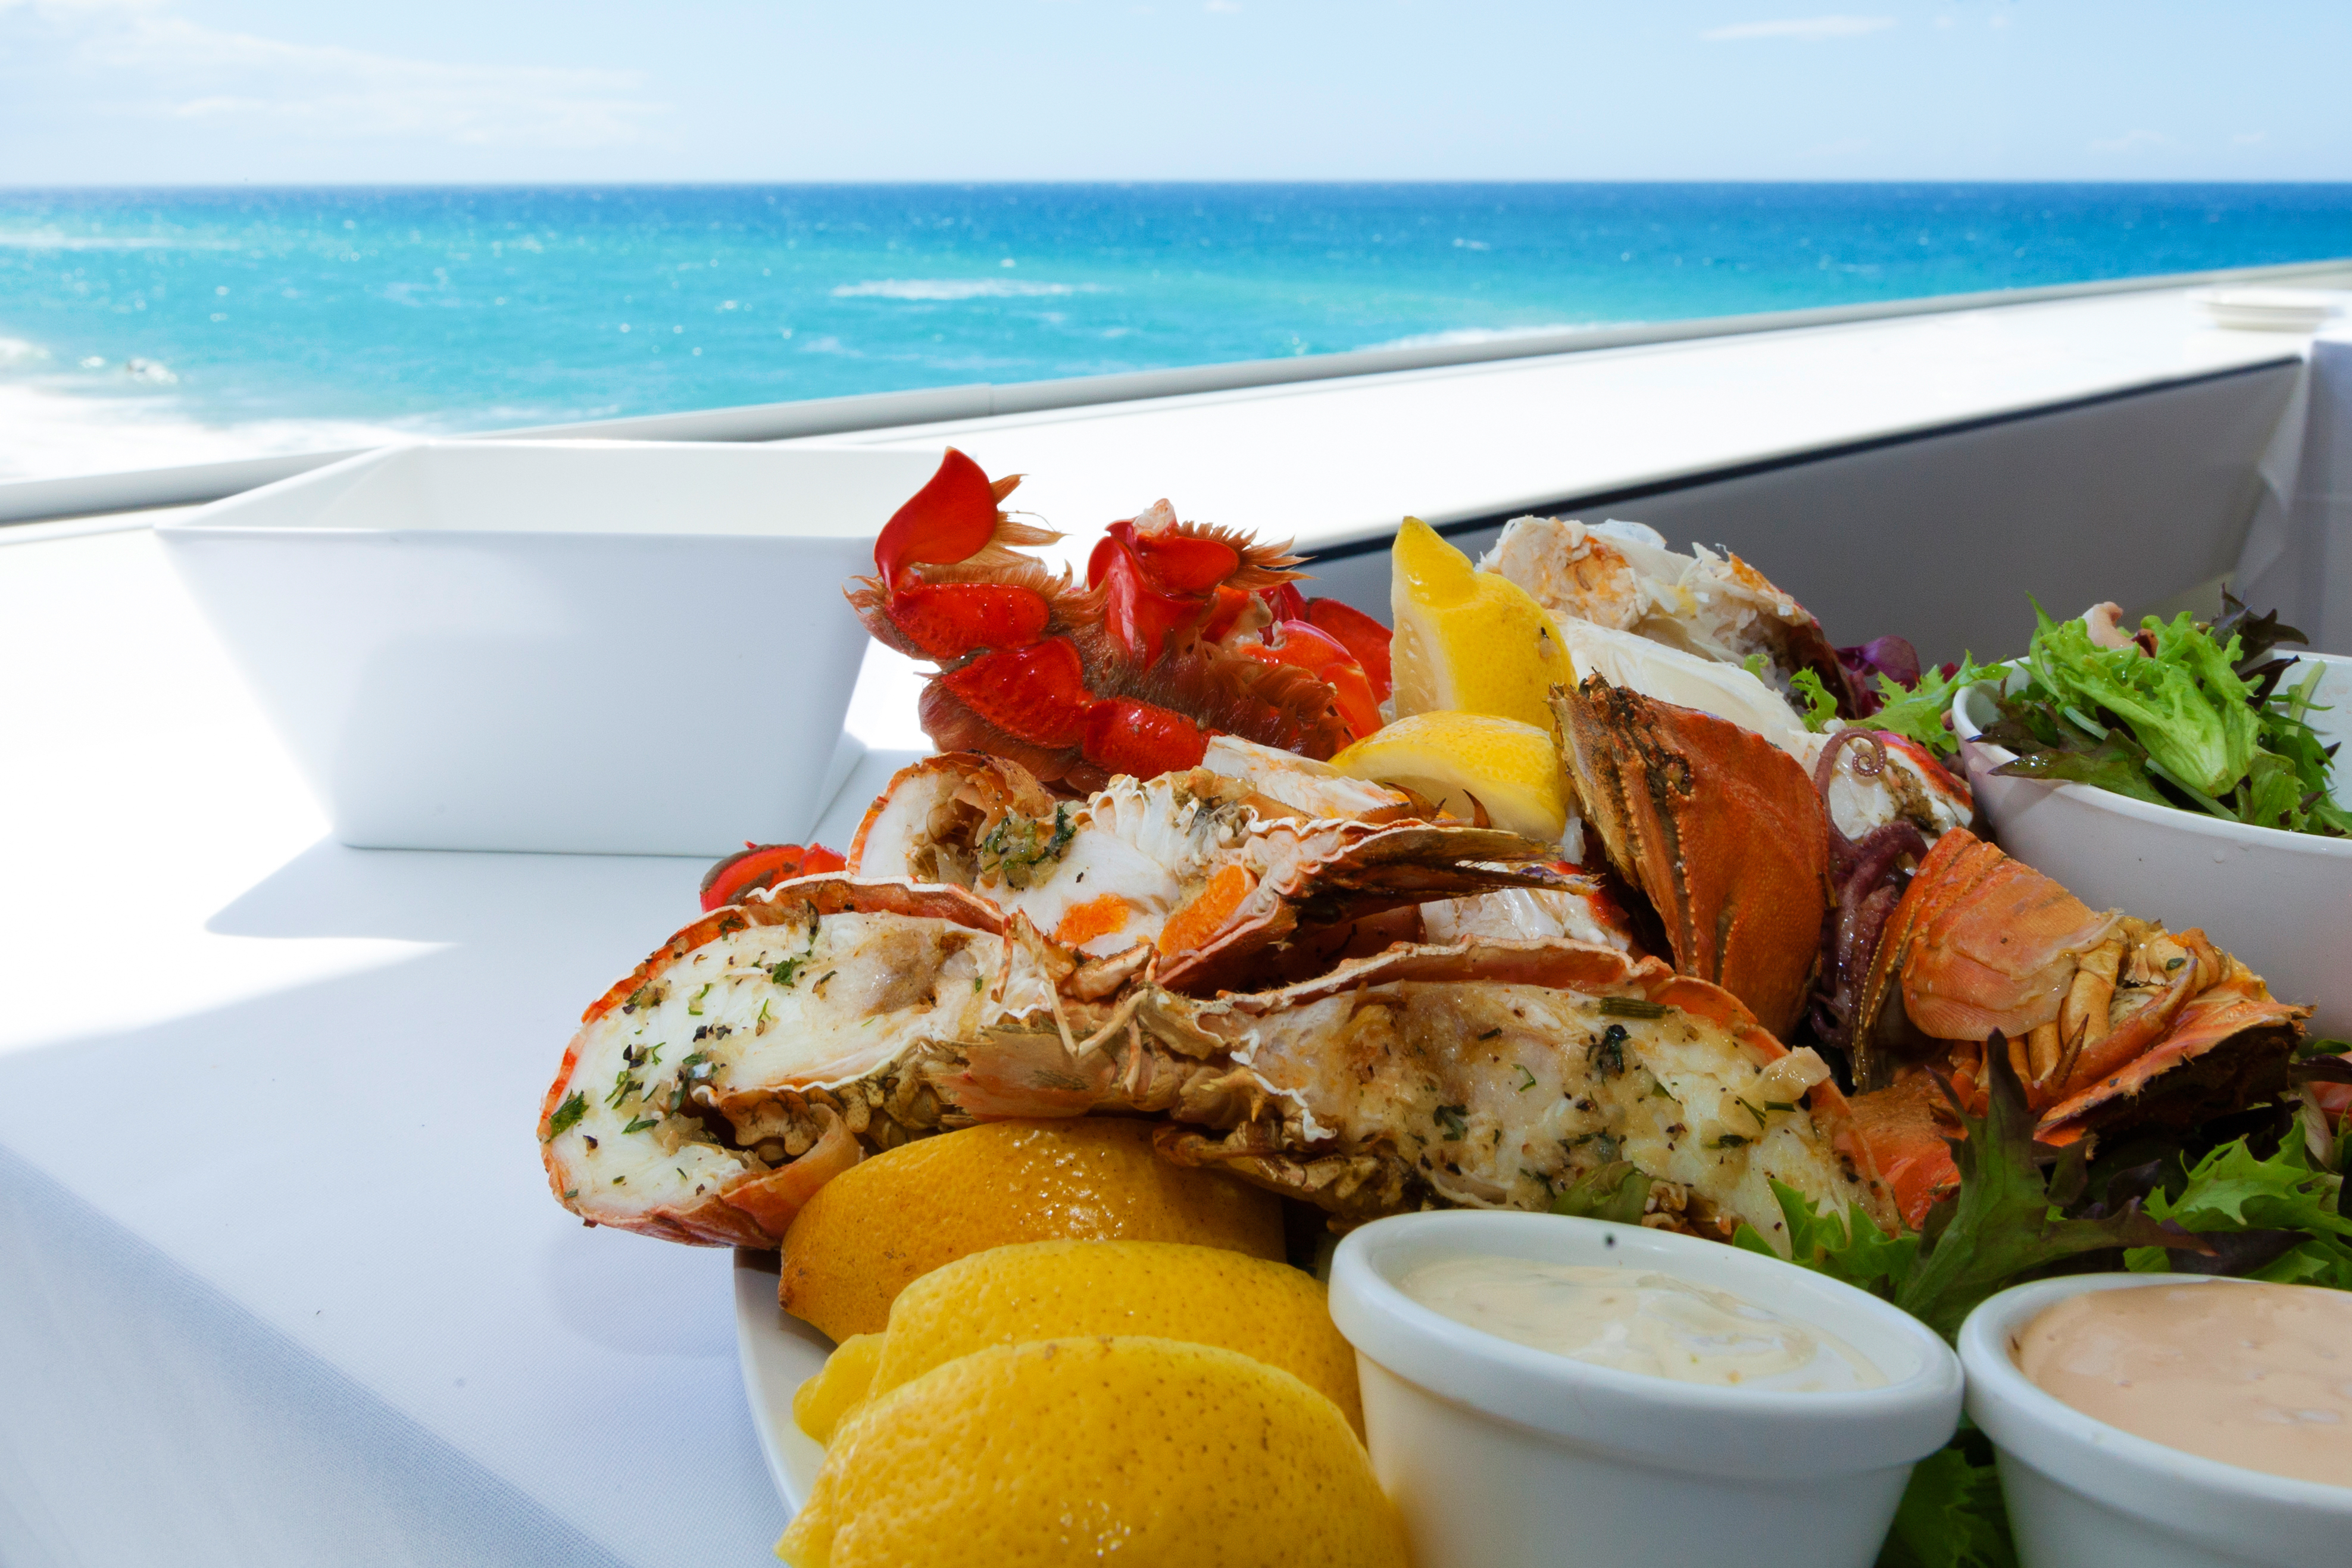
(1277, 1085)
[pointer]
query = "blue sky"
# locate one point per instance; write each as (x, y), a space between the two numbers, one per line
(138, 92)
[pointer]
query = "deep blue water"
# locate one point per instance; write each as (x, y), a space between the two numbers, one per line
(456, 309)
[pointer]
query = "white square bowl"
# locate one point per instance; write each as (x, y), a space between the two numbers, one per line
(603, 648)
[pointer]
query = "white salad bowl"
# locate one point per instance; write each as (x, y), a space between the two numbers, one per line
(615, 647)
(2280, 901)
(2083, 1494)
(1501, 1456)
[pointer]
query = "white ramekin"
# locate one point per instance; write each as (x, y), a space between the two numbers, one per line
(1499, 1455)
(2083, 1494)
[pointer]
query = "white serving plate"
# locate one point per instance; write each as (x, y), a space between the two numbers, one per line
(598, 647)
(2083, 1494)
(778, 1354)
(2281, 901)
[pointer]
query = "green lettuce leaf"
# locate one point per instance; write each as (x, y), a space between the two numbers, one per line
(1819, 706)
(2184, 704)
(1952, 1514)
(1917, 714)
(2232, 1191)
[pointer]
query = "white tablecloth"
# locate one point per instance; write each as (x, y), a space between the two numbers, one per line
(281, 1281)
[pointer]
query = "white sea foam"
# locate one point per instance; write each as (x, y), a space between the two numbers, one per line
(43, 240)
(46, 433)
(958, 288)
(1488, 335)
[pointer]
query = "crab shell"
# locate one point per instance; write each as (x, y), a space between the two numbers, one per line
(1485, 1075)
(1719, 827)
(765, 1046)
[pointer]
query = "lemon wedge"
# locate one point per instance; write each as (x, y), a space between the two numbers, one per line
(1468, 641)
(1512, 769)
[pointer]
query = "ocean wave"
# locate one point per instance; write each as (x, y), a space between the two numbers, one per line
(45, 241)
(932, 289)
(1465, 335)
(46, 433)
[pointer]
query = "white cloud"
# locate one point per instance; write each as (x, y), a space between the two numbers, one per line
(2131, 142)
(1811, 29)
(156, 63)
(2250, 138)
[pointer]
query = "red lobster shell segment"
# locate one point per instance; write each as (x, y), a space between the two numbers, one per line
(1183, 631)
(2109, 1020)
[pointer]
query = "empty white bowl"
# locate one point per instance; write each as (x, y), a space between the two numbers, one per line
(616, 647)
(2083, 1494)
(1500, 1456)
(2281, 901)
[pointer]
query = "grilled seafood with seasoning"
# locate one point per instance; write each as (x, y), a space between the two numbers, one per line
(1488, 1075)
(1205, 869)
(764, 1048)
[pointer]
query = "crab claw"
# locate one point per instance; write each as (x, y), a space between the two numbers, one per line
(756, 867)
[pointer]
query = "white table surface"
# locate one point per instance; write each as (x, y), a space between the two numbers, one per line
(280, 1281)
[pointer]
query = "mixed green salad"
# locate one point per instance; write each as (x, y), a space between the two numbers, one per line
(2203, 717)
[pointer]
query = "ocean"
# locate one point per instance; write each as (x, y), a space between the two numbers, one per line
(147, 326)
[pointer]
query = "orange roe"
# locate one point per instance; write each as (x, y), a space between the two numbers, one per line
(1206, 915)
(1096, 917)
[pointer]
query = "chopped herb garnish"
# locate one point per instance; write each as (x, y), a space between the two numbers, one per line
(1490, 1034)
(1729, 1140)
(782, 974)
(1779, 1105)
(1632, 1007)
(639, 1123)
(1527, 1080)
(695, 1006)
(620, 1180)
(1614, 1191)
(568, 1114)
(1450, 1120)
(570, 1193)
(624, 1086)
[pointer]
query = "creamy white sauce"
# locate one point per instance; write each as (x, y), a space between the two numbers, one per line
(1636, 1320)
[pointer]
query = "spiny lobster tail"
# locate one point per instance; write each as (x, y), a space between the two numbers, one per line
(953, 727)
(1274, 705)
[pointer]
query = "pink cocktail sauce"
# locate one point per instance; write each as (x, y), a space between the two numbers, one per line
(2249, 1374)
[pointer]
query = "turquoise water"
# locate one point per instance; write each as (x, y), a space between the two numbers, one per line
(470, 309)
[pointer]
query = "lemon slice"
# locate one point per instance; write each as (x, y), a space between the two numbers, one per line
(1468, 641)
(1512, 769)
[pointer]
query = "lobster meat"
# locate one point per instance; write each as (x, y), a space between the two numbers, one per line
(1183, 631)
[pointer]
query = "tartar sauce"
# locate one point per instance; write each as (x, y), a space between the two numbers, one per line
(1639, 1321)
(2251, 1375)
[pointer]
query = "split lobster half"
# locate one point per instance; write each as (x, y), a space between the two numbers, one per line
(1183, 631)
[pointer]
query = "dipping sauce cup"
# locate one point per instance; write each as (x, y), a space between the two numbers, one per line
(2083, 1494)
(1499, 1455)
